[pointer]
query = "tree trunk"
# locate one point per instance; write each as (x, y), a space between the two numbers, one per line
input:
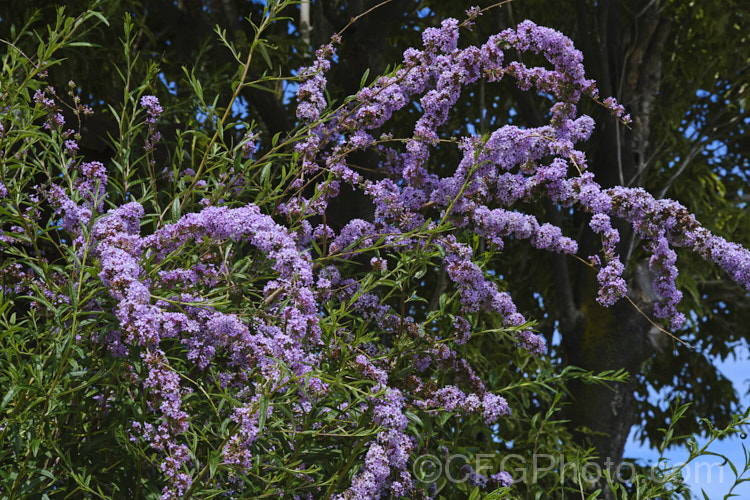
(597, 338)
(608, 339)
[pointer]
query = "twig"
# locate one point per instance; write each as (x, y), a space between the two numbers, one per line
(648, 318)
(355, 18)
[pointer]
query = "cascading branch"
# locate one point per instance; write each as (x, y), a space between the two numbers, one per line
(267, 352)
(509, 166)
(498, 171)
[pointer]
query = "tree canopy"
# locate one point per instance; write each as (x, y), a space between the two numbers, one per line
(234, 266)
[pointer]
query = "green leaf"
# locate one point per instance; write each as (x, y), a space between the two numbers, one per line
(262, 413)
(8, 396)
(176, 211)
(474, 493)
(364, 78)
(264, 53)
(265, 175)
(99, 16)
(213, 462)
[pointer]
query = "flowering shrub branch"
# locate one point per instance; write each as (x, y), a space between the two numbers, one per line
(232, 341)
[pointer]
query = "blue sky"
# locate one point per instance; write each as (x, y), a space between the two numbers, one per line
(707, 473)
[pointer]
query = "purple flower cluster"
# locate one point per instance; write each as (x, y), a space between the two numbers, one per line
(617, 108)
(385, 470)
(93, 184)
(311, 99)
(153, 108)
(249, 145)
(498, 223)
(451, 398)
(237, 450)
(386, 462)
(153, 112)
(666, 223)
(204, 331)
(164, 297)
(75, 217)
(46, 99)
(502, 479)
(71, 147)
(472, 14)
(508, 167)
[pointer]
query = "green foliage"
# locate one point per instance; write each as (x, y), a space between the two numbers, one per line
(68, 403)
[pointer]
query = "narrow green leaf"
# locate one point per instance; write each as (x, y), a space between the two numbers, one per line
(364, 78)
(176, 208)
(264, 53)
(262, 412)
(8, 396)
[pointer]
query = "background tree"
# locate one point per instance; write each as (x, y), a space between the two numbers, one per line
(686, 144)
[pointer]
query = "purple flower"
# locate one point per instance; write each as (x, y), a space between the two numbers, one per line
(153, 108)
(378, 264)
(75, 217)
(474, 478)
(311, 99)
(93, 184)
(462, 330)
(71, 147)
(502, 479)
(472, 14)
(249, 145)
(494, 407)
(153, 111)
(532, 342)
(444, 38)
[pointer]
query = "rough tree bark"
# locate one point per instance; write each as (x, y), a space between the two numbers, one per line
(597, 338)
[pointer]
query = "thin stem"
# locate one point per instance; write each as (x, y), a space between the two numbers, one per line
(246, 68)
(356, 18)
(640, 311)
